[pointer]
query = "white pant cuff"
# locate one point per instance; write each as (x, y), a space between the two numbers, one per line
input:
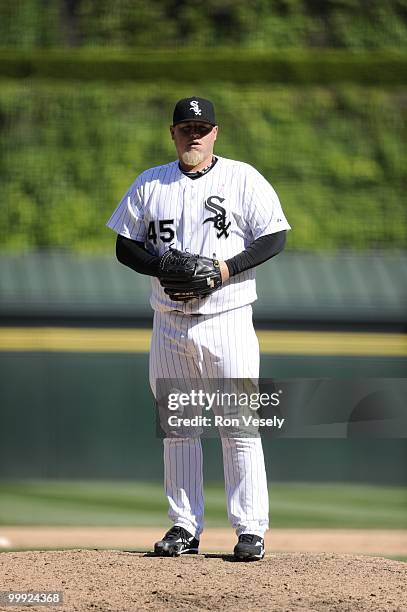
(195, 531)
(259, 531)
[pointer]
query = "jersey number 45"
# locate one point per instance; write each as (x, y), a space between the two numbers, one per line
(165, 232)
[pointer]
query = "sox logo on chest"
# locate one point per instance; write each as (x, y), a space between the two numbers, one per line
(165, 228)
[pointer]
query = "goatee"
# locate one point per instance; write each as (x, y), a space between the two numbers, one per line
(192, 158)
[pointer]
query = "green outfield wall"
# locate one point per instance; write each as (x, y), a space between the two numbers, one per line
(91, 416)
(360, 289)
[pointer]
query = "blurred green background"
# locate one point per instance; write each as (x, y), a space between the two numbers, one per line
(143, 504)
(335, 155)
(312, 93)
(331, 146)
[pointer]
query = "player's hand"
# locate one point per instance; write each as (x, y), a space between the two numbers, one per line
(224, 271)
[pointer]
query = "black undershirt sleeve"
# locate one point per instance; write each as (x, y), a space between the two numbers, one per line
(134, 255)
(258, 252)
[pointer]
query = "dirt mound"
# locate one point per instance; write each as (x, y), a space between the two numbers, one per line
(375, 542)
(104, 580)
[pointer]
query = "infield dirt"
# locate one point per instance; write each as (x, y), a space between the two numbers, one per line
(117, 581)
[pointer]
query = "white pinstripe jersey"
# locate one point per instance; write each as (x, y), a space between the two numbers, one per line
(218, 214)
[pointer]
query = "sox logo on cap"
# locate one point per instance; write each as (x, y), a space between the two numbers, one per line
(195, 107)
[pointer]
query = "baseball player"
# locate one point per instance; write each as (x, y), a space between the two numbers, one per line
(199, 226)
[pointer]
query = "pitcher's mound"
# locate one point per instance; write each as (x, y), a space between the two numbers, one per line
(104, 580)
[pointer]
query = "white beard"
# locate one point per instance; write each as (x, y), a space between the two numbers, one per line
(192, 158)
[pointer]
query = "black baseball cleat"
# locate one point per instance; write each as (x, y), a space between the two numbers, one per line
(177, 541)
(250, 547)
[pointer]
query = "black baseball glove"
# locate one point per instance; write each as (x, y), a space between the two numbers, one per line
(185, 276)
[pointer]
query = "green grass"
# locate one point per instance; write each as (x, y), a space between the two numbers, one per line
(144, 504)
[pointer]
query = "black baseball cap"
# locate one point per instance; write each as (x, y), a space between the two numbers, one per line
(194, 109)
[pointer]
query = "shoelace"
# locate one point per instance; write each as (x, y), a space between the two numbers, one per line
(247, 537)
(177, 532)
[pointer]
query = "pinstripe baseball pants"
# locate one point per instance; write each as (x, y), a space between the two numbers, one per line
(222, 345)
